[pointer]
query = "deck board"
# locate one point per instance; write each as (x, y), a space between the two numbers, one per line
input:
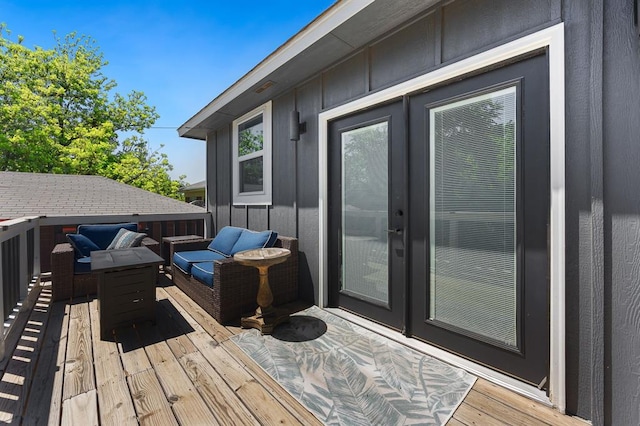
(181, 370)
(78, 367)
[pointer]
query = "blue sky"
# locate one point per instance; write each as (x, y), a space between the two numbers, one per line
(181, 54)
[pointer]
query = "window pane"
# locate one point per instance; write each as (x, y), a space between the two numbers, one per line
(365, 270)
(473, 215)
(250, 136)
(251, 175)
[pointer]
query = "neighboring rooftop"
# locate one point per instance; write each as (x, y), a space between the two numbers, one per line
(197, 185)
(52, 195)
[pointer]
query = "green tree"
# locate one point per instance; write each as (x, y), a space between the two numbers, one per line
(59, 114)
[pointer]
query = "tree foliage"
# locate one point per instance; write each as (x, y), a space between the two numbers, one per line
(59, 114)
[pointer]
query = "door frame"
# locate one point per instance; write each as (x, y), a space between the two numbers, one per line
(551, 38)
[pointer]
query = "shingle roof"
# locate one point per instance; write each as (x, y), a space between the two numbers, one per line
(197, 185)
(51, 195)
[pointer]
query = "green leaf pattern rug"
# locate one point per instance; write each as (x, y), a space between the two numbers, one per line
(347, 375)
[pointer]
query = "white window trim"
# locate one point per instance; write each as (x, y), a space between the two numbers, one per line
(258, 197)
(551, 38)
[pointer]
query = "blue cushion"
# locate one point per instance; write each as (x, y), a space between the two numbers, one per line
(224, 241)
(82, 266)
(252, 240)
(125, 239)
(203, 272)
(102, 235)
(83, 246)
(184, 259)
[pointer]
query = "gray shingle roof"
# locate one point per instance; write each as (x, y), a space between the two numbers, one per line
(51, 195)
(197, 185)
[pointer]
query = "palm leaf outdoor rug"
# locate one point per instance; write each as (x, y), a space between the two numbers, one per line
(347, 375)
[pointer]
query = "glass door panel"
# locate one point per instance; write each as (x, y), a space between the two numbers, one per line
(473, 283)
(365, 206)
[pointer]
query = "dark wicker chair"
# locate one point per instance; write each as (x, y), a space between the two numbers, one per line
(65, 284)
(235, 286)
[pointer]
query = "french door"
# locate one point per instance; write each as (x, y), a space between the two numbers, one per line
(367, 205)
(439, 216)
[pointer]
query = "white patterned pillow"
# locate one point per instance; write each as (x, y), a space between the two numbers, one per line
(125, 239)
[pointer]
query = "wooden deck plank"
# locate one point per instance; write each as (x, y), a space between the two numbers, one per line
(149, 399)
(500, 411)
(186, 403)
(81, 410)
(116, 404)
(454, 422)
(45, 398)
(469, 415)
(17, 378)
(155, 346)
(169, 323)
(114, 399)
(78, 371)
(229, 369)
(105, 353)
(211, 326)
(132, 353)
(525, 405)
(221, 400)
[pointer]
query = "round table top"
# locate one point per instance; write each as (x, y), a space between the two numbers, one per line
(262, 256)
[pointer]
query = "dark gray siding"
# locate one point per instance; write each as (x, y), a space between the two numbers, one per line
(621, 152)
(602, 173)
(579, 218)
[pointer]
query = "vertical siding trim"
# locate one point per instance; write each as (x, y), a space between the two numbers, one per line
(553, 39)
(597, 212)
(437, 18)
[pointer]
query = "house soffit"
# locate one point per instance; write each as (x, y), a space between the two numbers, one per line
(345, 27)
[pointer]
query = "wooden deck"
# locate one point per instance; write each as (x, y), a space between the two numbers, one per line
(182, 371)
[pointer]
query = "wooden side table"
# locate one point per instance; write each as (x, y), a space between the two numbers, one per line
(266, 317)
(126, 286)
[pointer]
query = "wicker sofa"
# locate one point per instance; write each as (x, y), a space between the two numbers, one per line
(71, 273)
(235, 287)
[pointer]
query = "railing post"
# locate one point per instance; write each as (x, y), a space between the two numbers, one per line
(23, 275)
(36, 250)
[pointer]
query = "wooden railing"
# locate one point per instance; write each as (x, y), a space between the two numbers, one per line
(19, 267)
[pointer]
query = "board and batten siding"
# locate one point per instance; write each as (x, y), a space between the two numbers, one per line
(602, 62)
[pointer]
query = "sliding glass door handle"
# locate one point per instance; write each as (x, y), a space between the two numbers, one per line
(396, 231)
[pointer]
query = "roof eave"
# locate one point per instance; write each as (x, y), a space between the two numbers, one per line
(336, 15)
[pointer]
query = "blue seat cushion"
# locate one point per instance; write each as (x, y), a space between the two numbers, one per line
(184, 259)
(82, 266)
(224, 241)
(253, 240)
(102, 235)
(203, 272)
(82, 245)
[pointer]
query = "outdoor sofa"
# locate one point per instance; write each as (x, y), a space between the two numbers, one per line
(206, 272)
(71, 262)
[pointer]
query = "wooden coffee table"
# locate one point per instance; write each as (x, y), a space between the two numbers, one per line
(266, 317)
(126, 286)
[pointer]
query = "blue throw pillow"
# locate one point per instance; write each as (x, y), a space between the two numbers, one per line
(253, 240)
(223, 242)
(125, 239)
(82, 245)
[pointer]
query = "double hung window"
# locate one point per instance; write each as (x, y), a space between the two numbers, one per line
(252, 157)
